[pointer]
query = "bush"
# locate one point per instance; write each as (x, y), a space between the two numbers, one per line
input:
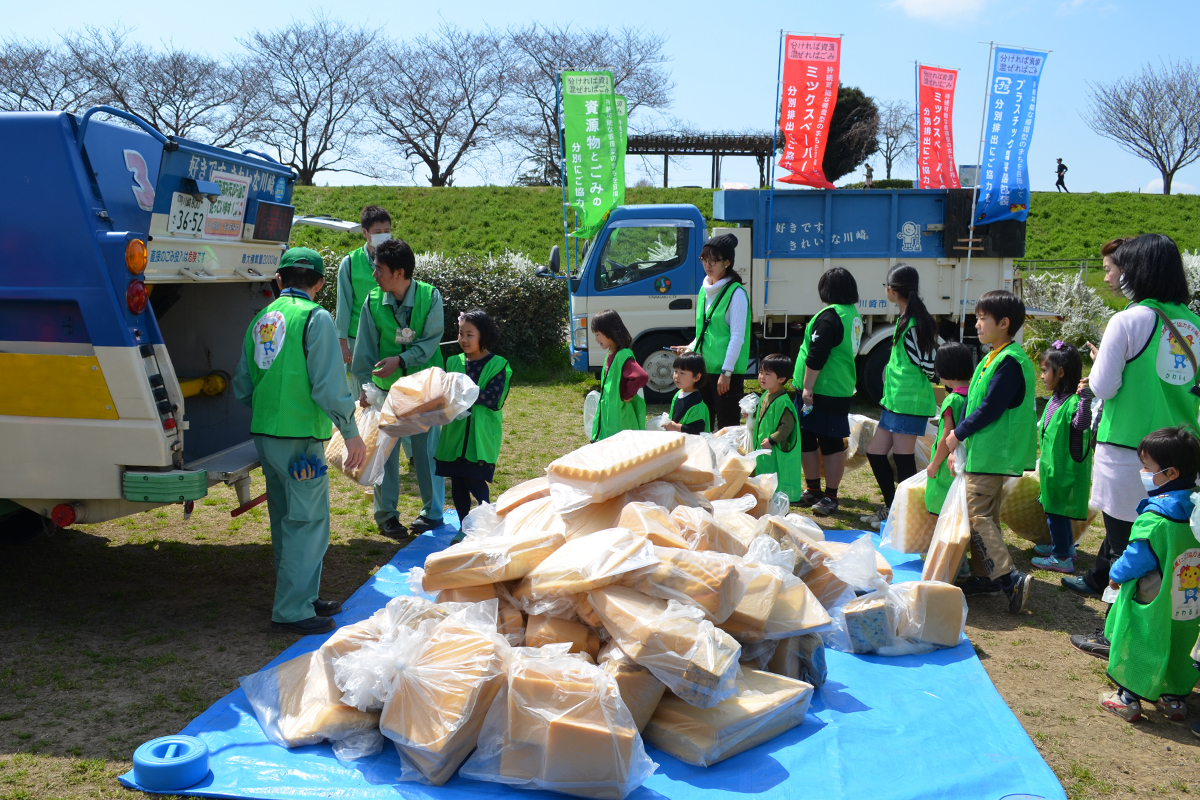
(1084, 314)
(531, 311)
(882, 183)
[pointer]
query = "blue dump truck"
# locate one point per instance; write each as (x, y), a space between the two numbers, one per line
(645, 263)
(131, 264)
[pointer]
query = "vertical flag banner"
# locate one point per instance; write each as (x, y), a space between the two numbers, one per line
(593, 161)
(1008, 130)
(810, 86)
(622, 112)
(935, 145)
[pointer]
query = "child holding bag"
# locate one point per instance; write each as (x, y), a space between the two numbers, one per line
(777, 426)
(621, 408)
(954, 366)
(1065, 465)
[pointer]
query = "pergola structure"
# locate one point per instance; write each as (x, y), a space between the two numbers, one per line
(703, 144)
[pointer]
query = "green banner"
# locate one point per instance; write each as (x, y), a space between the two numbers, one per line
(594, 147)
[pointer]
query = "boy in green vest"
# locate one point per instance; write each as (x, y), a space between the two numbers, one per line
(999, 431)
(400, 329)
(689, 413)
(777, 425)
(1156, 617)
(291, 375)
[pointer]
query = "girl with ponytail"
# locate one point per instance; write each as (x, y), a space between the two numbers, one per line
(908, 400)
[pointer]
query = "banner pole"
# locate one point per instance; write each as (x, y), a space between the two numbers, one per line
(771, 193)
(987, 92)
(562, 162)
(917, 123)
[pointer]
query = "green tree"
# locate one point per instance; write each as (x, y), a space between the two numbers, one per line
(853, 133)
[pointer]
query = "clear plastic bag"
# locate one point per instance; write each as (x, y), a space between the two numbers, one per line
(735, 471)
(805, 524)
(923, 449)
(492, 559)
(762, 488)
(640, 690)
(951, 535)
(700, 470)
(812, 559)
(367, 676)
(801, 658)
(611, 467)
(855, 566)
(658, 422)
(862, 431)
(588, 562)
(900, 619)
(758, 654)
(379, 445)
(703, 532)
(708, 581)
(779, 505)
(741, 505)
(734, 439)
(696, 660)
(591, 404)
(909, 527)
(426, 399)
(527, 491)
(653, 522)
(482, 522)
(748, 405)
(358, 745)
(658, 493)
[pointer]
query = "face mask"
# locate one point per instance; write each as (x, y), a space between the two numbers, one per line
(1148, 480)
(379, 238)
(1125, 290)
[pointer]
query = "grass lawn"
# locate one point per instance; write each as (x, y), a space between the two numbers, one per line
(126, 630)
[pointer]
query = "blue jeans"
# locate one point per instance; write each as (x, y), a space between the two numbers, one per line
(1061, 535)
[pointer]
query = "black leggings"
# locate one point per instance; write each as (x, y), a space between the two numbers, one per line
(461, 490)
(830, 445)
(1116, 539)
(724, 407)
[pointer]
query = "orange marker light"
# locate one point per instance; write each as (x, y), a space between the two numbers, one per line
(136, 256)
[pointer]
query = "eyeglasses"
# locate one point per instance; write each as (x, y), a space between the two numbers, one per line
(713, 261)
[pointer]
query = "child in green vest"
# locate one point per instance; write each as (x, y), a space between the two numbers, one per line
(777, 425)
(1156, 617)
(999, 431)
(469, 447)
(1065, 464)
(622, 407)
(689, 412)
(954, 365)
(293, 378)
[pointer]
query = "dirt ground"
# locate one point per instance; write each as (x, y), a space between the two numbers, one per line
(126, 630)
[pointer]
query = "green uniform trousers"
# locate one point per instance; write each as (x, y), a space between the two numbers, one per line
(299, 513)
(433, 488)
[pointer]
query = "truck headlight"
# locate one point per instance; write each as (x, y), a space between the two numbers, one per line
(579, 337)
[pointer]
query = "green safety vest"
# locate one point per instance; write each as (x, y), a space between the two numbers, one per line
(696, 413)
(712, 331)
(1155, 384)
(389, 329)
(615, 414)
(1152, 638)
(937, 487)
(1066, 483)
(362, 280)
(783, 460)
(1009, 445)
(906, 390)
(277, 358)
(839, 375)
(477, 437)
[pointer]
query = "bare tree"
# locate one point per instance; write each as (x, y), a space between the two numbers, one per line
(635, 58)
(315, 75)
(441, 97)
(40, 77)
(1155, 115)
(897, 137)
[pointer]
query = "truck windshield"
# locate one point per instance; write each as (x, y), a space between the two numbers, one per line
(633, 254)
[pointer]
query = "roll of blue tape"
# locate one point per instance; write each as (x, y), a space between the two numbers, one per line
(170, 763)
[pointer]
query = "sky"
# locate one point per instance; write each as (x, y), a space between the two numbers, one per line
(723, 60)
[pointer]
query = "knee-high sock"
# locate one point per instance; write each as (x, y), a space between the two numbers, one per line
(883, 476)
(906, 466)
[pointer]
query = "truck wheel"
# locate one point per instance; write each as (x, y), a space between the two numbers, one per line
(871, 368)
(659, 365)
(20, 526)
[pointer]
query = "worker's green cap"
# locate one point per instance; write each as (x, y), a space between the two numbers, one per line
(304, 257)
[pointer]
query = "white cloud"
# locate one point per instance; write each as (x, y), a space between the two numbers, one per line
(1092, 6)
(1177, 187)
(939, 9)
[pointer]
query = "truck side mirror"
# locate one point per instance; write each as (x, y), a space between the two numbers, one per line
(555, 264)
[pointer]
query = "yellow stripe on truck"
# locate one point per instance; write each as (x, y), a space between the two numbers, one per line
(35, 385)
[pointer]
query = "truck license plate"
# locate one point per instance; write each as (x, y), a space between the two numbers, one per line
(187, 214)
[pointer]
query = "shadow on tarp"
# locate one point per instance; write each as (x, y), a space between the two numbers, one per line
(881, 728)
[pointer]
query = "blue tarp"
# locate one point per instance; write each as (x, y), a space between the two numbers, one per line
(909, 727)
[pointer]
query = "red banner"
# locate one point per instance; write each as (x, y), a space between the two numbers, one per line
(810, 87)
(935, 146)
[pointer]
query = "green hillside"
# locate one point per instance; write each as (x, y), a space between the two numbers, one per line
(492, 219)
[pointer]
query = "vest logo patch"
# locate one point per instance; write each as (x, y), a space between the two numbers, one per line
(1172, 364)
(856, 334)
(1185, 585)
(268, 334)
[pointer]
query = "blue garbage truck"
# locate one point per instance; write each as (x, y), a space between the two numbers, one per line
(131, 264)
(645, 264)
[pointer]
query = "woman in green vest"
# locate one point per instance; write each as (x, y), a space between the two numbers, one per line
(1145, 378)
(776, 426)
(954, 365)
(908, 400)
(622, 407)
(722, 331)
(825, 369)
(1156, 618)
(1065, 463)
(469, 447)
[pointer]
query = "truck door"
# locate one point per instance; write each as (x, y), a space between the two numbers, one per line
(646, 271)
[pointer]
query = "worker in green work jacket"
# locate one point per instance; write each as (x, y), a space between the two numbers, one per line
(293, 378)
(400, 331)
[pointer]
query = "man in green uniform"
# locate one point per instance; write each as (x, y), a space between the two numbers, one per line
(400, 329)
(355, 278)
(291, 376)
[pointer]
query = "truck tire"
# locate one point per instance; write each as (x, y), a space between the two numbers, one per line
(871, 368)
(659, 364)
(21, 526)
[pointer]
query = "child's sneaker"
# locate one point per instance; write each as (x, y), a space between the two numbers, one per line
(1018, 595)
(1174, 708)
(825, 506)
(1048, 550)
(1055, 564)
(1125, 707)
(808, 498)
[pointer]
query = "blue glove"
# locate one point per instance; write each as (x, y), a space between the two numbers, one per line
(308, 467)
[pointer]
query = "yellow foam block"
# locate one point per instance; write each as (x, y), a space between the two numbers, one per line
(613, 466)
(542, 630)
(522, 493)
(468, 594)
(584, 563)
(586, 613)
(796, 611)
(912, 531)
(704, 533)
(709, 581)
(418, 393)
(749, 620)
(368, 429)
(488, 560)
(762, 488)
(743, 526)
(766, 706)
(310, 707)
(836, 549)
(699, 471)
(951, 538)
(735, 470)
(933, 612)
(640, 690)
(654, 523)
(510, 622)
(811, 556)
(1021, 510)
(870, 623)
